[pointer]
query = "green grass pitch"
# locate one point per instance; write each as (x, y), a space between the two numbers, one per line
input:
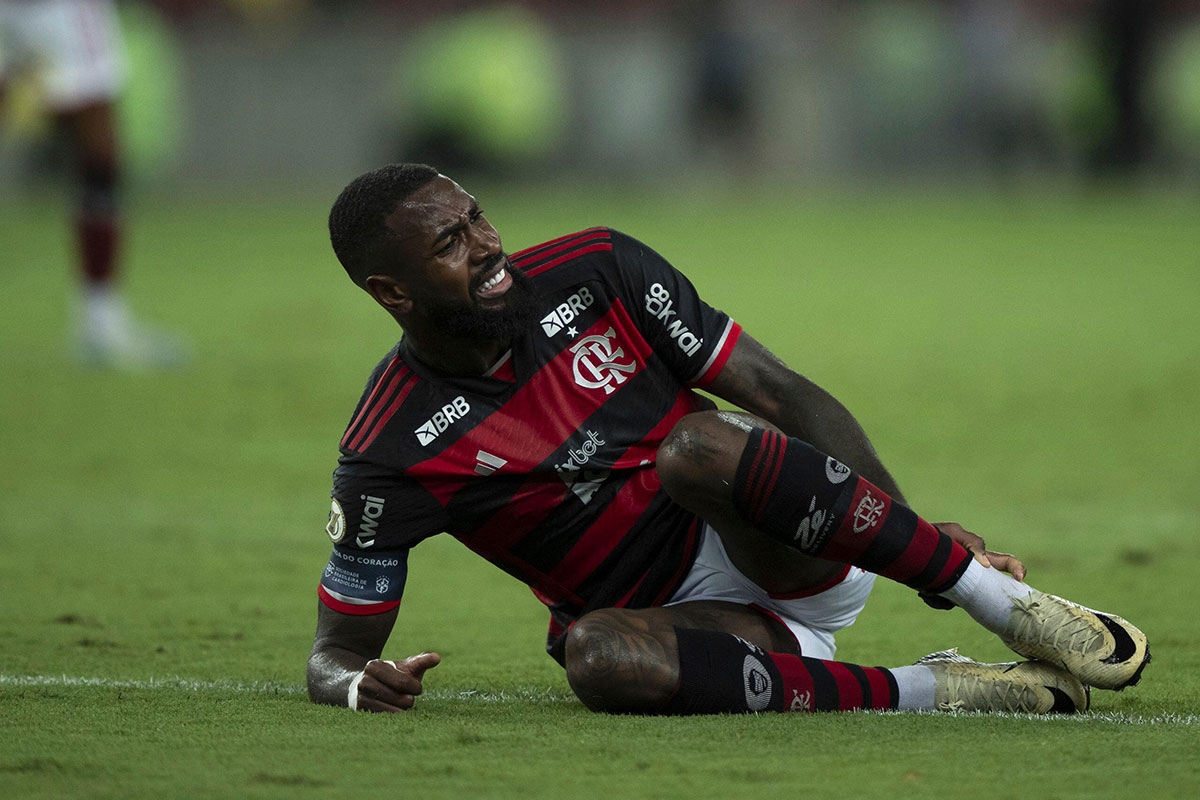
(1027, 365)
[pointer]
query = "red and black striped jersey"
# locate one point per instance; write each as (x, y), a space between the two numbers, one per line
(545, 466)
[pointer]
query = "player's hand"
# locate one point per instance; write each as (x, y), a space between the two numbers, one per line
(1005, 562)
(391, 686)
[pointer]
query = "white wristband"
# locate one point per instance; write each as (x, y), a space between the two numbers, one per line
(352, 695)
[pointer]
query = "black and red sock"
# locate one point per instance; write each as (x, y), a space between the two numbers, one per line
(98, 226)
(720, 673)
(816, 504)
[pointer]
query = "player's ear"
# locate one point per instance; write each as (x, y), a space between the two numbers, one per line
(390, 293)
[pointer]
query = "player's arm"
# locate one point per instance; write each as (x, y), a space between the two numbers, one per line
(756, 380)
(344, 667)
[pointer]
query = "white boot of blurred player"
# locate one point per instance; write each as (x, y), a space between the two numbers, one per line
(109, 336)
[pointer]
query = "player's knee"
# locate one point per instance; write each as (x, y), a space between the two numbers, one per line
(686, 451)
(698, 457)
(611, 669)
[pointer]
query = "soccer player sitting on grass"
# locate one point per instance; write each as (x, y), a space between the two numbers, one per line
(541, 409)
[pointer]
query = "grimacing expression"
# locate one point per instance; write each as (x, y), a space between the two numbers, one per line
(456, 272)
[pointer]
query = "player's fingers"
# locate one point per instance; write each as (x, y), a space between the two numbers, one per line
(419, 663)
(389, 673)
(1009, 563)
(373, 691)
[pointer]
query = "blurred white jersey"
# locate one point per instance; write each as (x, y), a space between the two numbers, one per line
(73, 46)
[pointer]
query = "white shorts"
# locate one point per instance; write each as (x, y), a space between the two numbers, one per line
(73, 46)
(812, 616)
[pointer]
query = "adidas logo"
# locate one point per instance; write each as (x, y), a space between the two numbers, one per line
(486, 463)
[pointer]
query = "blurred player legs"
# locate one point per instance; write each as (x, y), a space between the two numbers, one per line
(74, 47)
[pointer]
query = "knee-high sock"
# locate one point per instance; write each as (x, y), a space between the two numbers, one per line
(97, 226)
(817, 505)
(720, 673)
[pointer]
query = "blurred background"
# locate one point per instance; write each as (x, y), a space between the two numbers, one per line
(975, 223)
(245, 91)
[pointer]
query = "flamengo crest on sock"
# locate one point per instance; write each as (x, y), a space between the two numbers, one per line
(816, 504)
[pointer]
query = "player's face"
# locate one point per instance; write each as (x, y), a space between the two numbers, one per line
(456, 272)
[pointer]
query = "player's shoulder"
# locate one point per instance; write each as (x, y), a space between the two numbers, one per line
(566, 258)
(392, 382)
(592, 253)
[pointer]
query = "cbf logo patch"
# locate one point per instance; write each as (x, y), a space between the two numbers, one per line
(597, 364)
(336, 527)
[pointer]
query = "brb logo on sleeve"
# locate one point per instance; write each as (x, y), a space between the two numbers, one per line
(456, 409)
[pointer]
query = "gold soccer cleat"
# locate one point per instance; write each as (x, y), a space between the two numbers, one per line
(1030, 687)
(1099, 649)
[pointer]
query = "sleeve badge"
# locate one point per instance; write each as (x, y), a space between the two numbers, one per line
(336, 527)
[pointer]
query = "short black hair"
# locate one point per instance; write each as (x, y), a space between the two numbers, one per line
(357, 228)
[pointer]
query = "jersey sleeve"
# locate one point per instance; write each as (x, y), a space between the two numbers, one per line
(374, 520)
(690, 336)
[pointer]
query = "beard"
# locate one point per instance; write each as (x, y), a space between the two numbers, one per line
(467, 320)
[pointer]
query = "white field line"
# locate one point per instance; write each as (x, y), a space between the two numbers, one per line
(261, 687)
(524, 696)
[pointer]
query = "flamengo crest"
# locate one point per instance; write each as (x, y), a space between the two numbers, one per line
(596, 365)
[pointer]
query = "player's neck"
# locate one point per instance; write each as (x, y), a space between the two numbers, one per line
(452, 356)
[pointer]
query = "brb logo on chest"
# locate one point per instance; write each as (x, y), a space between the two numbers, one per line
(456, 409)
(565, 313)
(596, 365)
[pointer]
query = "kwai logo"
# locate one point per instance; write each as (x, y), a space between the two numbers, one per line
(372, 511)
(660, 304)
(456, 409)
(564, 313)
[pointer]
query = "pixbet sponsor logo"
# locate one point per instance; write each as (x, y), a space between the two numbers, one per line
(660, 303)
(596, 364)
(566, 312)
(583, 482)
(454, 410)
(372, 511)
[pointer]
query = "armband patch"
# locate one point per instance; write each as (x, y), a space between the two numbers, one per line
(360, 583)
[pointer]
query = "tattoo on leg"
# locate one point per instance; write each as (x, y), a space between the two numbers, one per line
(621, 670)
